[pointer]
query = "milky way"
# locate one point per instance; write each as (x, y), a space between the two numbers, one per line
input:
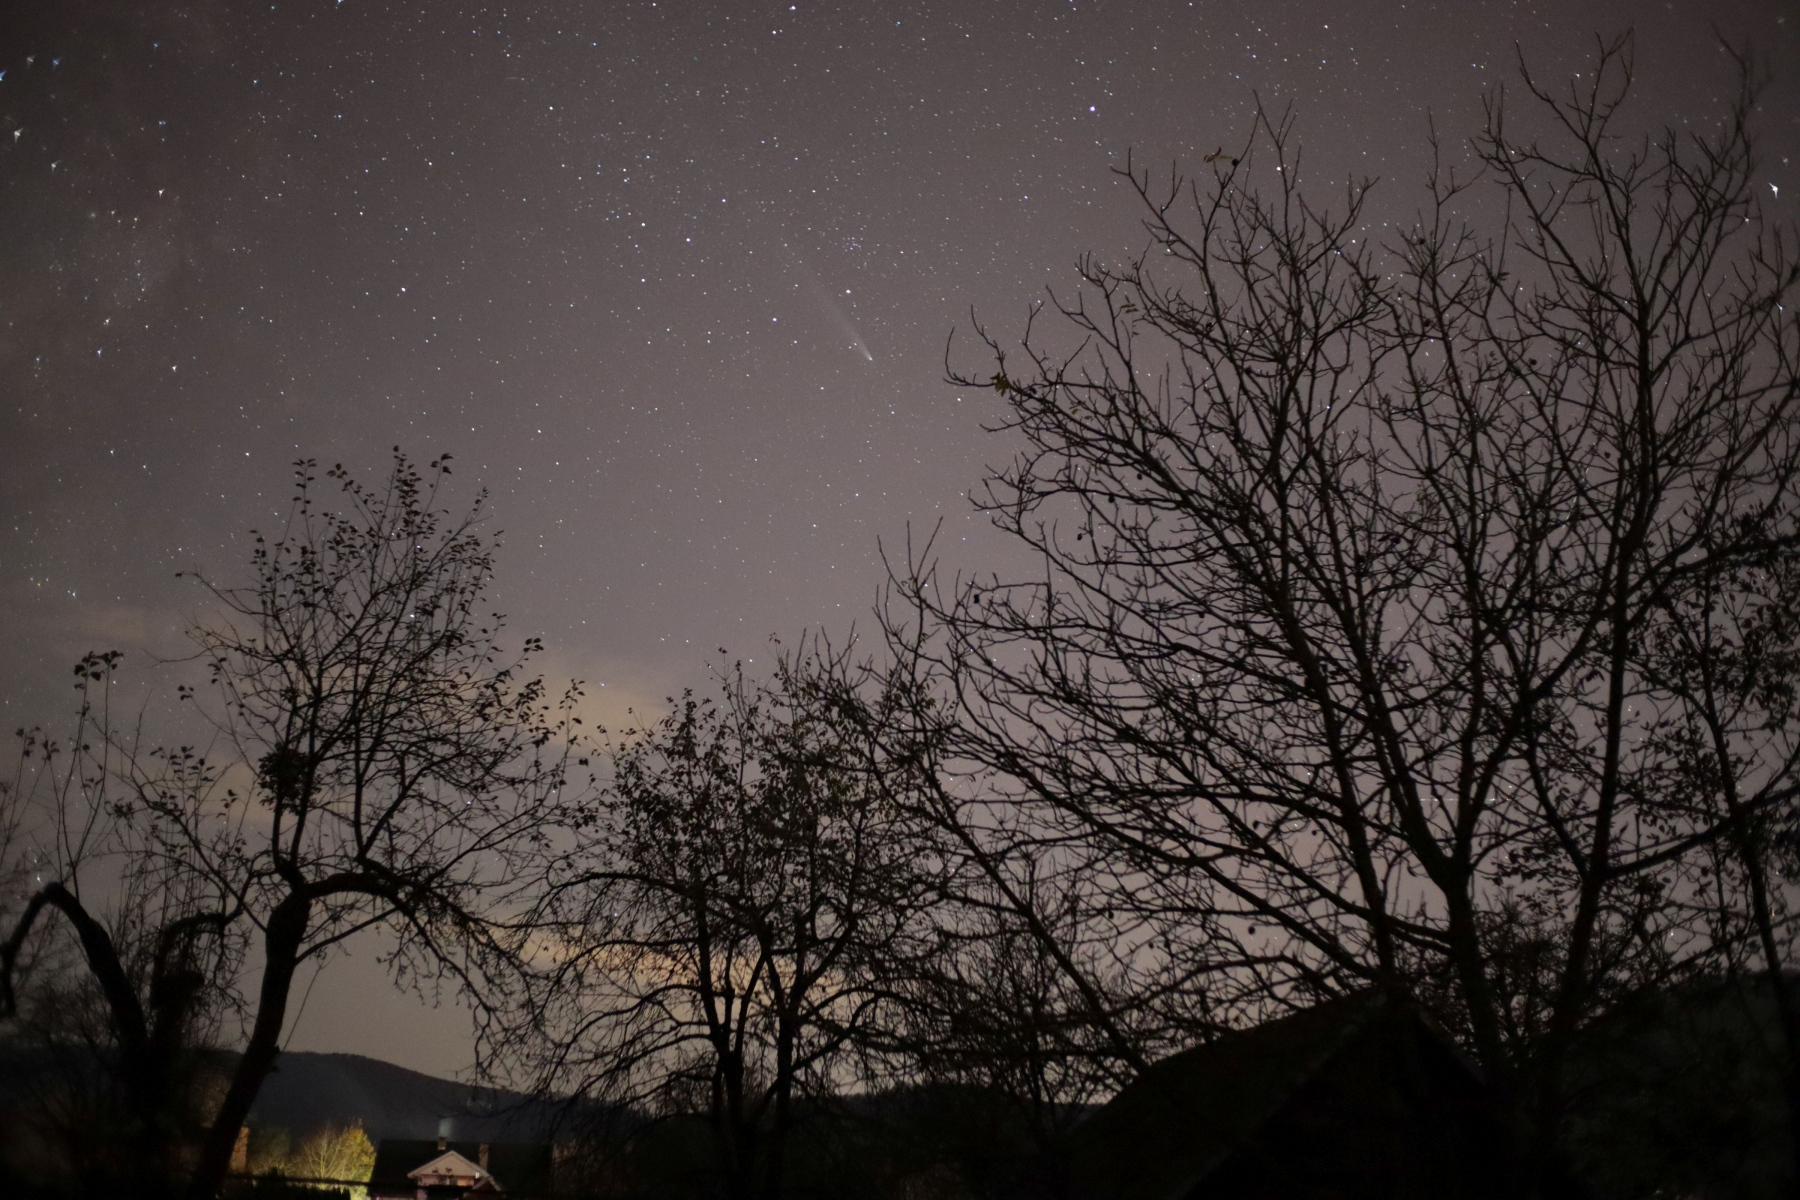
(674, 281)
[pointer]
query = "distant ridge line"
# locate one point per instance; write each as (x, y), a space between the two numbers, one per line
(311, 1089)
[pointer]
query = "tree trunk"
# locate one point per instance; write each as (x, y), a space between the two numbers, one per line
(281, 946)
(784, 1086)
(735, 1137)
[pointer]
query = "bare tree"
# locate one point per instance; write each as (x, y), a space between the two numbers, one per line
(992, 1009)
(377, 762)
(1337, 664)
(341, 1154)
(1726, 653)
(730, 923)
(102, 1020)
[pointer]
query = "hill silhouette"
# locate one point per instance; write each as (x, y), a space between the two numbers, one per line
(308, 1090)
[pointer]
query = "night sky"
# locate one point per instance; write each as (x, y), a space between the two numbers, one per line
(672, 280)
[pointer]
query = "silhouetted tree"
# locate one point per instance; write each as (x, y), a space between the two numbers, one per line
(1725, 651)
(727, 932)
(100, 1023)
(1352, 659)
(386, 767)
(993, 1011)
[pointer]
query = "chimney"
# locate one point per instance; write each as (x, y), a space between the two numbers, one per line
(444, 1133)
(483, 1163)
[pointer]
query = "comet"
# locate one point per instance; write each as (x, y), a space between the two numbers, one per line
(833, 307)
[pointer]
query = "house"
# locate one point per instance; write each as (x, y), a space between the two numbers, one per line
(1360, 1097)
(408, 1169)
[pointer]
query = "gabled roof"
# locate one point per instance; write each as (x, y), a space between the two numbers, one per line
(520, 1169)
(1183, 1117)
(448, 1163)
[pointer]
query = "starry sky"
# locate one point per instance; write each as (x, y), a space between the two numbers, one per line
(672, 280)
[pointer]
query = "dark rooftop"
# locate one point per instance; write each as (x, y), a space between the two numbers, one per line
(1355, 1088)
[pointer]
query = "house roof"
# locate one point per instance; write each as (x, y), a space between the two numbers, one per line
(1174, 1125)
(449, 1163)
(519, 1169)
